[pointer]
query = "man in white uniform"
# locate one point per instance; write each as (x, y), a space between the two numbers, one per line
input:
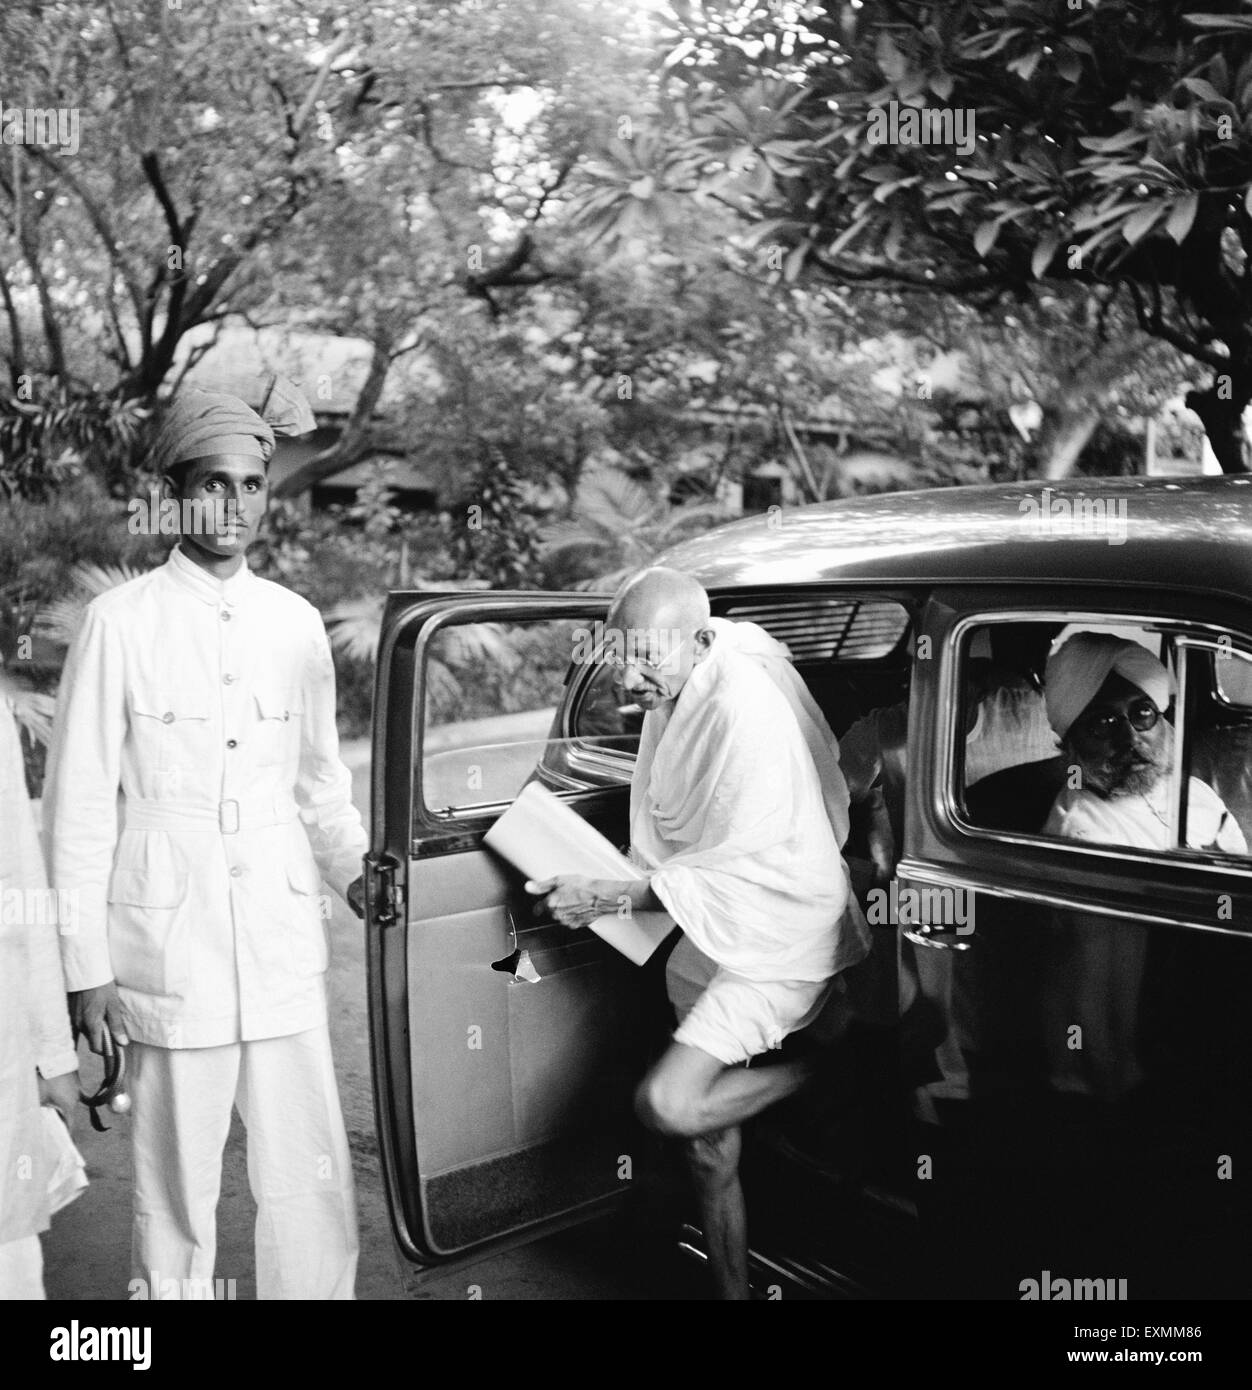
(739, 811)
(195, 801)
(38, 1065)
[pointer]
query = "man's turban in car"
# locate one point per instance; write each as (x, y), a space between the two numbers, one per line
(1077, 670)
(199, 422)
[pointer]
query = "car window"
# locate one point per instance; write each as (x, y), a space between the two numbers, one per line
(1233, 677)
(1218, 751)
(1104, 732)
(493, 690)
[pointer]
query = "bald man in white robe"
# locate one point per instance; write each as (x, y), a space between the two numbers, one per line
(738, 812)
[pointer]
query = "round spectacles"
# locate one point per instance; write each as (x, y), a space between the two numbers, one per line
(1141, 715)
(623, 663)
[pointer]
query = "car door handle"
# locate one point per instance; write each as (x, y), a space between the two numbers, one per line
(520, 966)
(943, 942)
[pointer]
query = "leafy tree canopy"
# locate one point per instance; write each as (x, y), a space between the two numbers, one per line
(978, 149)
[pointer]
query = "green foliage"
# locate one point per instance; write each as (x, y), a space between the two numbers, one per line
(42, 543)
(618, 526)
(499, 541)
(1111, 145)
(62, 431)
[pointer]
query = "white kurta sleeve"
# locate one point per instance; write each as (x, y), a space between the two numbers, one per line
(22, 868)
(324, 784)
(54, 1042)
(80, 797)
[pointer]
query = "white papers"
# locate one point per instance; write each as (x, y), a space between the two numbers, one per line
(542, 837)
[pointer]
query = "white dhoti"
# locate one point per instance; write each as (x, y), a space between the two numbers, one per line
(731, 1018)
(21, 1270)
(299, 1166)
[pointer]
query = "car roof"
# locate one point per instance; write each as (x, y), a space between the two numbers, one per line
(1186, 533)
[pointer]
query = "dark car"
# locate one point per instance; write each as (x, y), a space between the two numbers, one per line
(1042, 1088)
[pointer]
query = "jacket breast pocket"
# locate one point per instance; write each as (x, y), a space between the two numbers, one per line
(279, 726)
(171, 725)
(307, 930)
(149, 939)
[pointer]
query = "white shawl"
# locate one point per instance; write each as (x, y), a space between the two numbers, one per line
(729, 811)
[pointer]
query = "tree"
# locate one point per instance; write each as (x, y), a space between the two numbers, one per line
(352, 164)
(1102, 146)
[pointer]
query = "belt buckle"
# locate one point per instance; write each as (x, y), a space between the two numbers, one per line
(228, 817)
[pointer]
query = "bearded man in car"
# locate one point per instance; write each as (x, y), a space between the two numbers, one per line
(1106, 700)
(738, 812)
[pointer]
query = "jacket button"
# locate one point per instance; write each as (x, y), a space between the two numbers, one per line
(286, 714)
(228, 680)
(232, 743)
(167, 717)
(226, 617)
(235, 871)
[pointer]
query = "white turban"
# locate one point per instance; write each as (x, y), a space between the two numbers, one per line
(1077, 670)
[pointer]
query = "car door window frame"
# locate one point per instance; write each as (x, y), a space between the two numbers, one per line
(471, 824)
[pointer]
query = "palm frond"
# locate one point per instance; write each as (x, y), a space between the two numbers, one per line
(477, 642)
(608, 497)
(355, 625)
(32, 709)
(573, 535)
(60, 620)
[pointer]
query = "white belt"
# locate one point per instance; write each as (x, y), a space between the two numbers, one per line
(227, 817)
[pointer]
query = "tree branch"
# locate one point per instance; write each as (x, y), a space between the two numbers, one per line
(17, 356)
(1158, 328)
(319, 81)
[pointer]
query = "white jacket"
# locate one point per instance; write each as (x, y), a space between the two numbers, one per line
(194, 791)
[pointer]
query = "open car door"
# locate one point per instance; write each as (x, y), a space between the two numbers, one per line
(505, 1048)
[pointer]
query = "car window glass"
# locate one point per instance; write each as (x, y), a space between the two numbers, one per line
(1234, 677)
(1085, 746)
(606, 717)
(1219, 749)
(492, 692)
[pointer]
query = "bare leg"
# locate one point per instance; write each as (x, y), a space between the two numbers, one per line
(689, 1093)
(694, 1096)
(714, 1163)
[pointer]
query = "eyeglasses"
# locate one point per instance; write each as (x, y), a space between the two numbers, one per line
(623, 663)
(1141, 715)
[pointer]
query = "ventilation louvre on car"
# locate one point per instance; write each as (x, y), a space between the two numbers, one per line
(830, 629)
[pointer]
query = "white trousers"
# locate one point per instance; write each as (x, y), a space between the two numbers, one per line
(299, 1167)
(21, 1269)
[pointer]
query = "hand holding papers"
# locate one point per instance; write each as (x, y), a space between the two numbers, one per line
(542, 837)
